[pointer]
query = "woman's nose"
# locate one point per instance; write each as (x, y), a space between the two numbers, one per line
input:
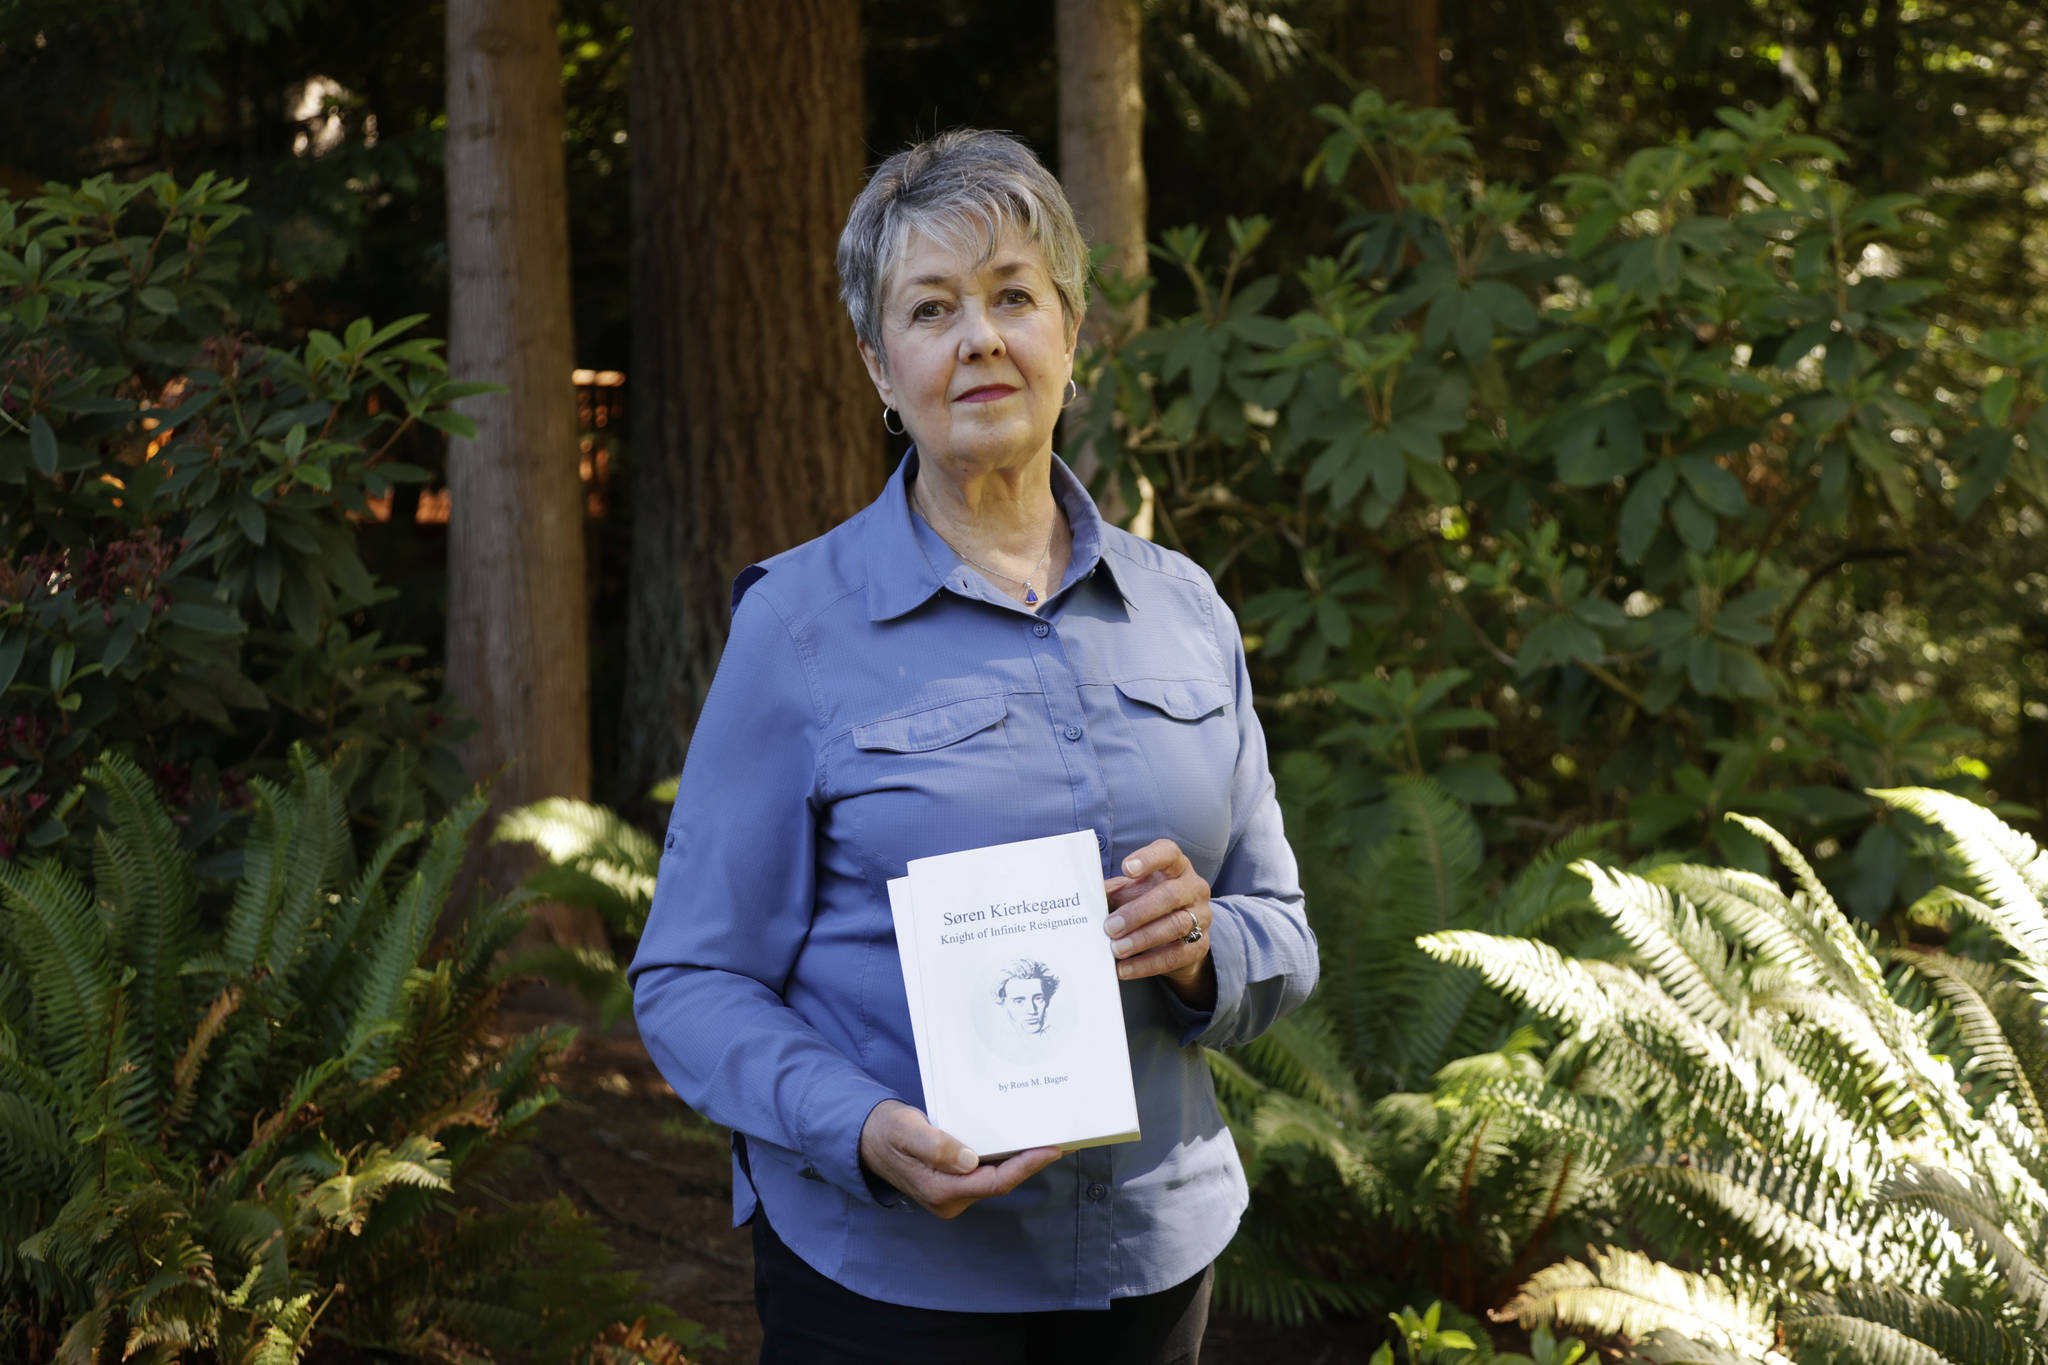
(979, 339)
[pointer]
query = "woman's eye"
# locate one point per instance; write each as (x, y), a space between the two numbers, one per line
(1022, 296)
(927, 310)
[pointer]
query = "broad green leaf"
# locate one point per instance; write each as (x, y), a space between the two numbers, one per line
(1717, 490)
(1998, 399)
(42, 444)
(249, 515)
(1619, 342)
(454, 423)
(13, 645)
(201, 617)
(1694, 523)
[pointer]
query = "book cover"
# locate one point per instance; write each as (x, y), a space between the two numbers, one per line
(1016, 1010)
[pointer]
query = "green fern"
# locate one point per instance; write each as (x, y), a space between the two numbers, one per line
(1773, 1114)
(1332, 1110)
(205, 1133)
(1626, 1293)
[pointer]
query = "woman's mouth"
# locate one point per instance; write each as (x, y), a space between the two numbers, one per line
(987, 393)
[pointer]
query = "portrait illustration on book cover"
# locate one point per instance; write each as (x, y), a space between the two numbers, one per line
(1024, 993)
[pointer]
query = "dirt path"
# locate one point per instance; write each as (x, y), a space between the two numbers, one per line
(626, 1150)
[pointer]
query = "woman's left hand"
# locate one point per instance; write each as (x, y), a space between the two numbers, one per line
(1153, 908)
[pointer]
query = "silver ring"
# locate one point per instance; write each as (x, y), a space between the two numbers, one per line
(1194, 933)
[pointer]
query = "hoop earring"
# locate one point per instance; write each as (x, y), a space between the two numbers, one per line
(887, 413)
(1073, 392)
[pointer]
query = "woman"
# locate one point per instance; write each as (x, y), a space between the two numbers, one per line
(974, 658)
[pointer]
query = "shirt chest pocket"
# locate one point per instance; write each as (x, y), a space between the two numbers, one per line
(1186, 733)
(925, 781)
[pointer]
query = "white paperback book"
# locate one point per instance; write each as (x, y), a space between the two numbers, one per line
(1016, 1010)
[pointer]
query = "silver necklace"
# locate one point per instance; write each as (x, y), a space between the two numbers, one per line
(1030, 593)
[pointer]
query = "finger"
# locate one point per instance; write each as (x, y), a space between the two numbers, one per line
(1189, 892)
(949, 1195)
(933, 1147)
(1160, 961)
(1021, 1167)
(1167, 931)
(1120, 890)
(1161, 855)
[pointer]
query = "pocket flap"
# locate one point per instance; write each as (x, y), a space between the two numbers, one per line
(1181, 698)
(932, 728)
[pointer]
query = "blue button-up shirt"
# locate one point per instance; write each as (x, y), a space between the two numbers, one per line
(880, 701)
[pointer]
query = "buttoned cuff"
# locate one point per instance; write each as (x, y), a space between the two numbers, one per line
(833, 1115)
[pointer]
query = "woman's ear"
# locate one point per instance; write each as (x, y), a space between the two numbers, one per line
(878, 374)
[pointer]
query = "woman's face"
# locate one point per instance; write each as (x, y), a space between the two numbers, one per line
(978, 353)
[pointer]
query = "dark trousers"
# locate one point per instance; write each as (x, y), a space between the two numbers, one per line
(807, 1319)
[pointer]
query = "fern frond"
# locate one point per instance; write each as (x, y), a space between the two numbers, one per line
(1627, 1293)
(63, 944)
(1285, 1121)
(1268, 1284)
(313, 859)
(1442, 848)
(1953, 1333)
(140, 866)
(1971, 1211)
(1839, 951)
(1527, 970)
(2000, 1024)
(1547, 888)
(333, 963)
(1448, 1017)
(598, 859)
(404, 935)
(1681, 948)
(1675, 1348)
(1750, 909)
(185, 1072)
(1236, 1088)
(2003, 863)
(1870, 1343)
(1767, 1212)
(265, 858)
(35, 1147)
(1300, 1054)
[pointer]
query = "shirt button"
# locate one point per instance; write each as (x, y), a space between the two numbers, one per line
(1041, 630)
(1073, 732)
(1101, 844)
(1098, 1191)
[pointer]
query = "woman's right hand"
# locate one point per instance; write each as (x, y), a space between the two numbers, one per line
(898, 1144)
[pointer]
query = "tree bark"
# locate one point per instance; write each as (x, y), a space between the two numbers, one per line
(518, 635)
(753, 425)
(1400, 51)
(1102, 127)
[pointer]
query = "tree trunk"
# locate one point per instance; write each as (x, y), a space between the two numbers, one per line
(753, 424)
(518, 651)
(1400, 51)
(1102, 126)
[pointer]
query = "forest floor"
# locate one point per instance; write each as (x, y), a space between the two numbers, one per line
(627, 1151)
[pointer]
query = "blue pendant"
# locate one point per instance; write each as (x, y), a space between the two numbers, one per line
(1030, 596)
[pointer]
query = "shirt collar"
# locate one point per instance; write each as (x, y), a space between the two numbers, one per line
(902, 576)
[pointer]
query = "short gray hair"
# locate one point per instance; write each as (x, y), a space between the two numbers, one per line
(962, 189)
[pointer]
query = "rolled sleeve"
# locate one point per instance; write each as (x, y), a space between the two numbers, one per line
(732, 908)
